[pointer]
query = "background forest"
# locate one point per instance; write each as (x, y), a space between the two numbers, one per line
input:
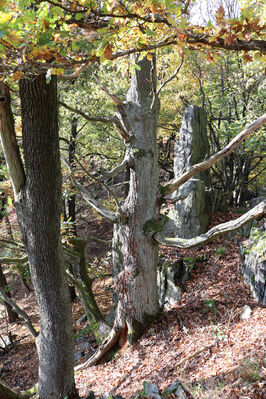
(93, 97)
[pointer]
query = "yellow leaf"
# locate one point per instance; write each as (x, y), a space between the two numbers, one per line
(4, 17)
(57, 71)
(17, 75)
(149, 56)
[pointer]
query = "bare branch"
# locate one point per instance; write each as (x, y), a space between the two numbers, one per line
(216, 231)
(115, 171)
(113, 97)
(111, 119)
(74, 74)
(11, 261)
(88, 198)
(19, 311)
(97, 239)
(89, 118)
(110, 191)
(233, 144)
(171, 77)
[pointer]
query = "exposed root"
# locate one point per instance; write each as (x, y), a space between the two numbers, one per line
(103, 349)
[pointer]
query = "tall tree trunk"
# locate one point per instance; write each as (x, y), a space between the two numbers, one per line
(38, 208)
(136, 281)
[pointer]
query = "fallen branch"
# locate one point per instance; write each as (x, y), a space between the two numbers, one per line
(216, 231)
(195, 354)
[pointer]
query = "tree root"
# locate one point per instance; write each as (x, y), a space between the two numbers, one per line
(103, 349)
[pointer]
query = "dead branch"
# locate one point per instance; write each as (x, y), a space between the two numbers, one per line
(170, 187)
(20, 312)
(205, 348)
(104, 119)
(216, 231)
(171, 77)
(112, 96)
(11, 261)
(97, 239)
(112, 216)
(115, 171)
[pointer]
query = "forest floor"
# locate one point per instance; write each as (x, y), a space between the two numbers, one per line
(210, 307)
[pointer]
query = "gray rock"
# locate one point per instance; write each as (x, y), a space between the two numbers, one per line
(167, 278)
(187, 218)
(193, 144)
(78, 355)
(254, 263)
(5, 341)
(171, 278)
(245, 313)
(152, 391)
(177, 389)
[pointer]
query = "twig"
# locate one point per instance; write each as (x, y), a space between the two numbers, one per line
(195, 354)
(113, 97)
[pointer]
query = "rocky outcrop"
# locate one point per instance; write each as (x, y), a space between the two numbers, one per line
(171, 278)
(151, 391)
(193, 144)
(187, 218)
(254, 262)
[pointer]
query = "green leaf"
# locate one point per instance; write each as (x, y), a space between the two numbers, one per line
(79, 16)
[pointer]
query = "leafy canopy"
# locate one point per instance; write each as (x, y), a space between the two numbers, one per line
(56, 36)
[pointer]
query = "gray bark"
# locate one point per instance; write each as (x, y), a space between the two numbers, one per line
(135, 262)
(38, 208)
(8, 141)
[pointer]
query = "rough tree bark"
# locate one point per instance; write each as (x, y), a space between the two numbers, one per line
(38, 204)
(136, 282)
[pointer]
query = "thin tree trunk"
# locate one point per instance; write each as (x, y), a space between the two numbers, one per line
(38, 208)
(12, 315)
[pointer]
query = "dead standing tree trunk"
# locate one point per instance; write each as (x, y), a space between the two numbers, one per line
(137, 221)
(136, 281)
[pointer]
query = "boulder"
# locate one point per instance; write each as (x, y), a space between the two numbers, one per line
(171, 277)
(254, 263)
(188, 218)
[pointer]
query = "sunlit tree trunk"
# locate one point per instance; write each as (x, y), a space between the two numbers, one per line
(135, 283)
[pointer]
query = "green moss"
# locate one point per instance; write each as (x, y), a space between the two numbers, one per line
(137, 328)
(189, 260)
(140, 153)
(154, 226)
